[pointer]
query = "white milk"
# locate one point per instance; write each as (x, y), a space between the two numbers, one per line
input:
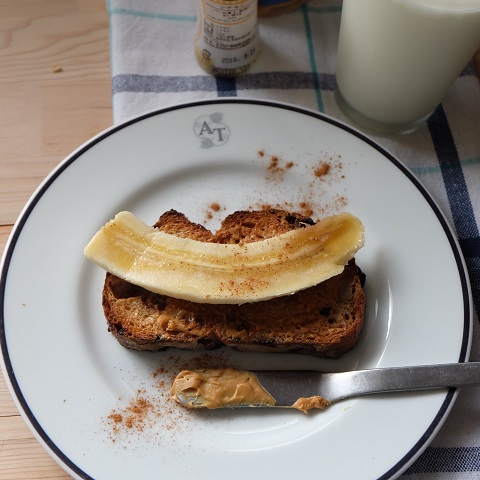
(397, 58)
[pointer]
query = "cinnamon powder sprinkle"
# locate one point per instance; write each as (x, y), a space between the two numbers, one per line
(251, 284)
(312, 201)
(213, 207)
(322, 170)
(277, 168)
(134, 415)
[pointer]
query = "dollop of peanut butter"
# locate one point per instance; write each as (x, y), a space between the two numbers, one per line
(307, 404)
(219, 388)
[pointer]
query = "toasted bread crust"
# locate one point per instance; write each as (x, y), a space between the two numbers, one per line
(324, 320)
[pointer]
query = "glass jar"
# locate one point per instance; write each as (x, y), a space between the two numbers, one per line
(227, 41)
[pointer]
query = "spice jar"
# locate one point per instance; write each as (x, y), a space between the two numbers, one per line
(227, 41)
(267, 8)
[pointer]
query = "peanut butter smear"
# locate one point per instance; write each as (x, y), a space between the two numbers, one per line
(219, 388)
(307, 404)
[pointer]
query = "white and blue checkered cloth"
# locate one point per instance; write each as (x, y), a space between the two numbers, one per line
(153, 66)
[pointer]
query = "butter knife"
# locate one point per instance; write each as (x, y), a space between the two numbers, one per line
(286, 387)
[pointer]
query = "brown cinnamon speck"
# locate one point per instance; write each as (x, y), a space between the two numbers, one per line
(322, 170)
(306, 209)
(273, 163)
(214, 207)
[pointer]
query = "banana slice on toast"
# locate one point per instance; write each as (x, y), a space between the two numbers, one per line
(206, 272)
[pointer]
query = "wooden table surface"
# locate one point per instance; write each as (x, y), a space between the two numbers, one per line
(55, 93)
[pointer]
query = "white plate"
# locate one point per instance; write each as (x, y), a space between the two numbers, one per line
(68, 374)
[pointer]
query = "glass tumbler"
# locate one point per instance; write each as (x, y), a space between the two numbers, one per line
(397, 59)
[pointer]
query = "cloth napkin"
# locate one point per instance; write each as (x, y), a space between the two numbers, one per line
(153, 66)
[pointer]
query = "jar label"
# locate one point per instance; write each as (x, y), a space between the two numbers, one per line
(227, 36)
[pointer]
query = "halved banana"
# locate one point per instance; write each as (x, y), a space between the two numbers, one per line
(225, 273)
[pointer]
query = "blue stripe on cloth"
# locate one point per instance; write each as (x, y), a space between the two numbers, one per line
(453, 176)
(313, 63)
(446, 460)
(470, 247)
(153, 15)
(436, 169)
(156, 83)
(458, 198)
(286, 81)
(272, 80)
(250, 81)
(226, 87)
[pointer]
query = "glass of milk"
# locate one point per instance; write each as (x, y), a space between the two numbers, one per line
(397, 58)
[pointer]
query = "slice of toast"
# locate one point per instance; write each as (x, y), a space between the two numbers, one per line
(324, 320)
